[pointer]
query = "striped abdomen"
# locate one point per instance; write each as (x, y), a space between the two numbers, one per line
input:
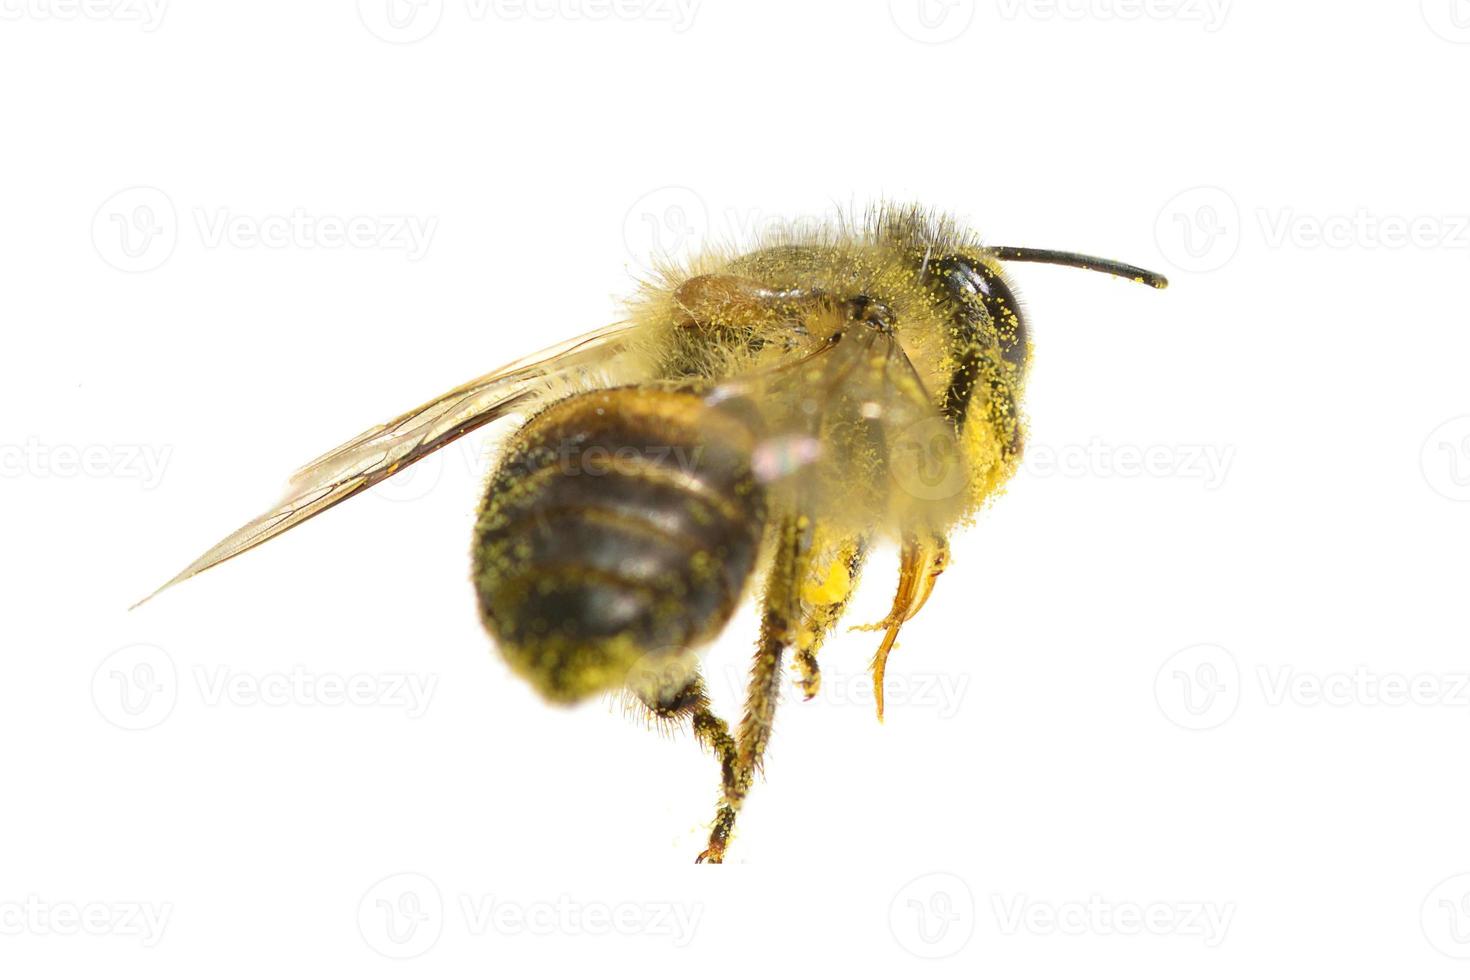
(621, 524)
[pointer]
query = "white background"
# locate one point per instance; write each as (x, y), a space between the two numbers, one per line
(1222, 694)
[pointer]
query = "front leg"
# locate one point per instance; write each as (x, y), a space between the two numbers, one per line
(923, 559)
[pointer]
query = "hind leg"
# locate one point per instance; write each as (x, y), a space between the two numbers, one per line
(672, 691)
(782, 606)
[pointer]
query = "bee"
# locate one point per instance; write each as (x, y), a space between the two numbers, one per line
(787, 408)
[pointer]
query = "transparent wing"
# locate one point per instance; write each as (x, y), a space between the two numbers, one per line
(383, 450)
(852, 435)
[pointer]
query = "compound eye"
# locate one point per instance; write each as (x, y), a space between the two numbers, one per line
(958, 278)
(974, 284)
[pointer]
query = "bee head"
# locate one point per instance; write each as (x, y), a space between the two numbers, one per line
(974, 286)
(983, 303)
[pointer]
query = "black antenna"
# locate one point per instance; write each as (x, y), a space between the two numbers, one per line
(1011, 253)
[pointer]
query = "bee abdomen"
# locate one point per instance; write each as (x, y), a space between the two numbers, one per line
(622, 524)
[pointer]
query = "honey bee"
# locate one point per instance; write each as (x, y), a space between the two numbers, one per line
(790, 407)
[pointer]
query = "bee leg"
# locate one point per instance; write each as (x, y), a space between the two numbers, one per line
(923, 558)
(781, 608)
(829, 586)
(669, 704)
